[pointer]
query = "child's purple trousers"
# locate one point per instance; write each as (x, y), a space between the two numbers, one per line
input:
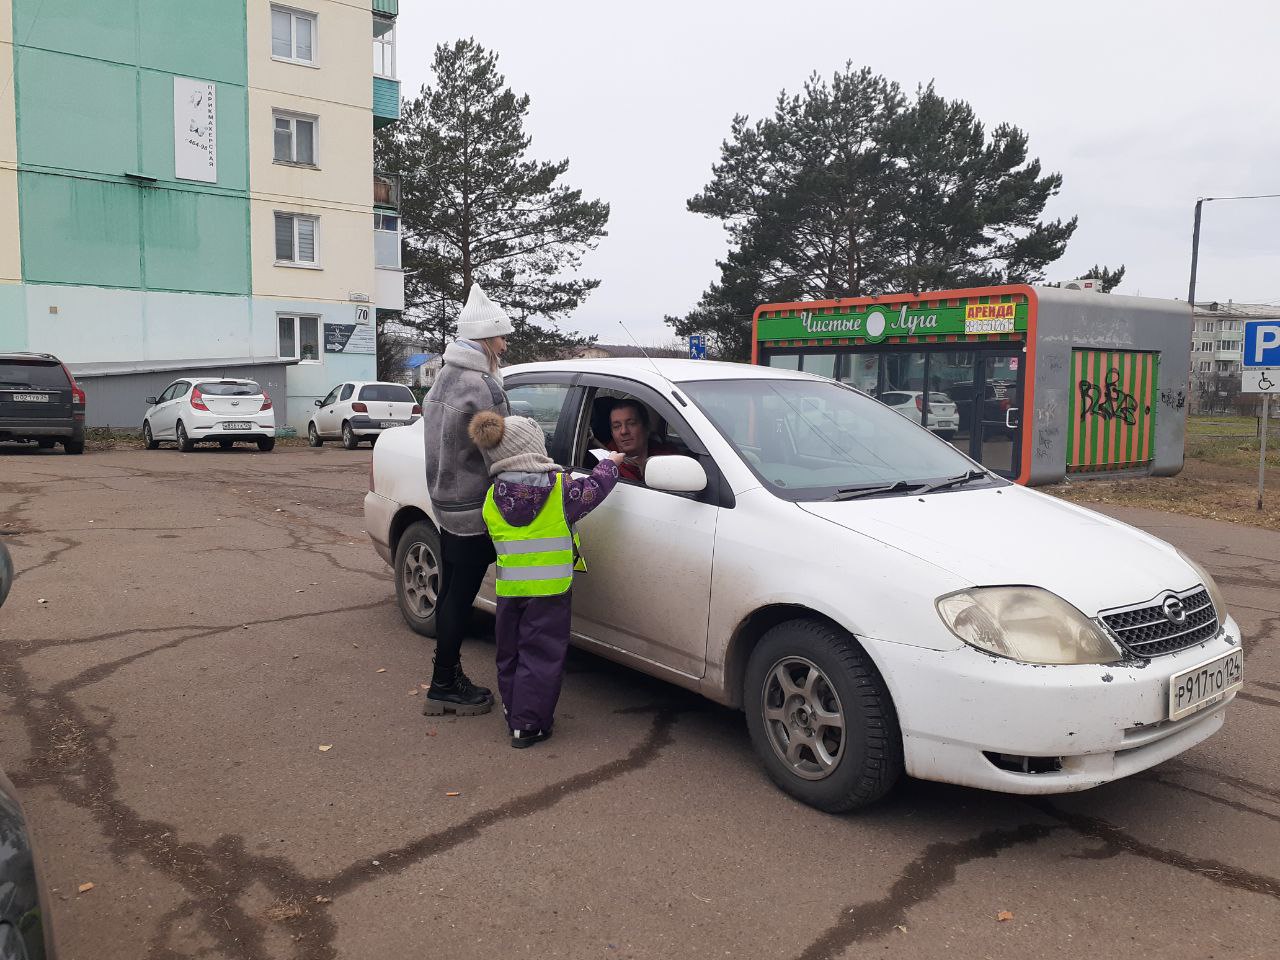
(532, 635)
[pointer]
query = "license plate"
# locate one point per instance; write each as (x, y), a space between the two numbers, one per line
(31, 397)
(237, 425)
(387, 424)
(944, 424)
(1198, 687)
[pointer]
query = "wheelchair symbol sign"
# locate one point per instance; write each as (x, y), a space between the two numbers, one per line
(1265, 380)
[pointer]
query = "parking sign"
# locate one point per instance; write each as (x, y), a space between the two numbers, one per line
(1262, 343)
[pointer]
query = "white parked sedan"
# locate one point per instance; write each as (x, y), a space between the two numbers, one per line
(195, 410)
(912, 405)
(359, 410)
(875, 601)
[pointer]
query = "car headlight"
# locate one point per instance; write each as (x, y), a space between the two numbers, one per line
(1215, 594)
(1027, 624)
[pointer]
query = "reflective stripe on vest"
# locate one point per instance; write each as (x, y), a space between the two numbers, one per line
(535, 560)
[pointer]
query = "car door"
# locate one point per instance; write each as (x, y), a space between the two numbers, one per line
(163, 415)
(324, 412)
(647, 588)
(340, 410)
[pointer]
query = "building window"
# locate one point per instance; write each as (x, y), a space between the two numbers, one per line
(384, 48)
(297, 239)
(1208, 326)
(299, 338)
(1204, 366)
(386, 239)
(293, 35)
(295, 138)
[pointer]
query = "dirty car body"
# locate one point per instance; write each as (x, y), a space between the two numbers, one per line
(874, 600)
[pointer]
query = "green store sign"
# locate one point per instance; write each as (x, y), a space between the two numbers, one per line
(878, 323)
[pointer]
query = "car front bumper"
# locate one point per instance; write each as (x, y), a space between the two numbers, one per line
(1095, 723)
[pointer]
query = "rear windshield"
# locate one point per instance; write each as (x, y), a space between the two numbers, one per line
(32, 373)
(387, 392)
(230, 388)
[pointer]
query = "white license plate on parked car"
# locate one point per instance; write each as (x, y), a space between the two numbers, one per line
(388, 424)
(1199, 686)
(237, 425)
(31, 397)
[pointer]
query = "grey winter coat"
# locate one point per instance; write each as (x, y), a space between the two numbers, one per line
(457, 478)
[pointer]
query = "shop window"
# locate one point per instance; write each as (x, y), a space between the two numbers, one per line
(293, 35)
(820, 364)
(784, 361)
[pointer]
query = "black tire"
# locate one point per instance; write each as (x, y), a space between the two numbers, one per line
(226, 444)
(148, 441)
(868, 760)
(185, 443)
(947, 435)
(74, 447)
(45, 444)
(313, 435)
(349, 439)
(266, 445)
(417, 572)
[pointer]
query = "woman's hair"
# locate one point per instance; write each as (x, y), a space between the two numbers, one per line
(491, 352)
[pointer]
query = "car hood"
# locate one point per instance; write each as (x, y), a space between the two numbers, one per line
(1012, 535)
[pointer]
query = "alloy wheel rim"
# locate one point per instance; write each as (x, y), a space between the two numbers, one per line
(421, 578)
(803, 718)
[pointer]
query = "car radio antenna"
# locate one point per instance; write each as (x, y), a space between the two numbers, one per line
(642, 350)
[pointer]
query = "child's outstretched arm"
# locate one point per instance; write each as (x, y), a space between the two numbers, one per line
(583, 494)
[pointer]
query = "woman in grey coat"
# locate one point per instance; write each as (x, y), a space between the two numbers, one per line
(457, 480)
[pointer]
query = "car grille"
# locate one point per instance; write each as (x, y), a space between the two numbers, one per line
(1147, 632)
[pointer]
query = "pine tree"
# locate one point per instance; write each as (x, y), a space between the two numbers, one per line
(475, 209)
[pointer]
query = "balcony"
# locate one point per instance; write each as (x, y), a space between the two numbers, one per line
(389, 7)
(386, 88)
(386, 190)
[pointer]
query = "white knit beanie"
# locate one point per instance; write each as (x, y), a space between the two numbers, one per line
(510, 443)
(481, 318)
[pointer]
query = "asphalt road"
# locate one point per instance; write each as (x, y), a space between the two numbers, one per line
(187, 631)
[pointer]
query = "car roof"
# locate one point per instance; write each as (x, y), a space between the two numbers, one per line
(661, 368)
(220, 380)
(27, 355)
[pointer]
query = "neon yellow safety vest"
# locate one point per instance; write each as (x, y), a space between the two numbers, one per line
(537, 560)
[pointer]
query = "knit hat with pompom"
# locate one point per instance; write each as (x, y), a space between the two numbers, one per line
(510, 443)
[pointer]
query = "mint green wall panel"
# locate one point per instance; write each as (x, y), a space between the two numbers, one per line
(76, 113)
(194, 38)
(195, 241)
(155, 96)
(92, 28)
(79, 231)
(13, 316)
(386, 101)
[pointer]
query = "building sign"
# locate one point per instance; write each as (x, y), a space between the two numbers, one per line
(879, 322)
(362, 313)
(195, 130)
(349, 338)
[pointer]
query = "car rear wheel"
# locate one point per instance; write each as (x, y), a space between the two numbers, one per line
(73, 446)
(226, 444)
(267, 444)
(349, 439)
(148, 441)
(313, 436)
(418, 577)
(821, 718)
(45, 444)
(184, 442)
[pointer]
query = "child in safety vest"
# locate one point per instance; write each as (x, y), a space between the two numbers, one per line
(530, 511)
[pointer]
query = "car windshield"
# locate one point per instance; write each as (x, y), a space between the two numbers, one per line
(387, 393)
(230, 388)
(32, 373)
(814, 439)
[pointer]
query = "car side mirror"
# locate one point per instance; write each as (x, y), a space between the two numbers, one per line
(319, 403)
(675, 474)
(153, 400)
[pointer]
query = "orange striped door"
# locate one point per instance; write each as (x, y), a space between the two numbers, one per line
(1112, 409)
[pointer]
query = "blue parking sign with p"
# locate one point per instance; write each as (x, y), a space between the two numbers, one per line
(1262, 343)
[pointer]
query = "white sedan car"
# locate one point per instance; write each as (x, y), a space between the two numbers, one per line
(876, 602)
(912, 405)
(359, 410)
(195, 410)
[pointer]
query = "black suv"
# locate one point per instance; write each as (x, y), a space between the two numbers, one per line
(40, 401)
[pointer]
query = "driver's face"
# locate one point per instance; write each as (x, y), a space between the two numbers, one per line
(630, 435)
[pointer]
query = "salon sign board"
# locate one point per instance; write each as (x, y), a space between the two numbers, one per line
(349, 338)
(195, 130)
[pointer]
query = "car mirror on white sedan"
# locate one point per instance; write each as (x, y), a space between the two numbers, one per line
(675, 474)
(319, 403)
(151, 401)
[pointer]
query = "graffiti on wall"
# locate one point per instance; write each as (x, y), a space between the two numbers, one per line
(1108, 400)
(1176, 399)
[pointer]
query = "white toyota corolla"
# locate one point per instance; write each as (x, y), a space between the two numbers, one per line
(873, 600)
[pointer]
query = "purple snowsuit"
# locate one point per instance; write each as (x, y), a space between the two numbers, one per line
(533, 632)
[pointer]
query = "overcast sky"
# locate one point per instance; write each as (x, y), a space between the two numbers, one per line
(1142, 106)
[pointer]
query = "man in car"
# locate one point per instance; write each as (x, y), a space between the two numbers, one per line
(630, 436)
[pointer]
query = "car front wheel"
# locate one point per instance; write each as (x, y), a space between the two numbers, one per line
(821, 718)
(149, 441)
(418, 577)
(313, 436)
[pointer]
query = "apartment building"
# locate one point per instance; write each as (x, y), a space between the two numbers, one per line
(189, 187)
(1217, 352)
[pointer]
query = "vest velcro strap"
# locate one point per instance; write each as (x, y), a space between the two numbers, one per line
(557, 572)
(506, 548)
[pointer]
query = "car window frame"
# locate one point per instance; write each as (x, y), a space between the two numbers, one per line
(349, 389)
(558, 448)
(330, 398)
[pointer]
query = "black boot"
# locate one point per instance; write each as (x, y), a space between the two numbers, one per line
(452, 690)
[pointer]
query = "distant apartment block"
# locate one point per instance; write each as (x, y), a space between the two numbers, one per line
(1217, 352)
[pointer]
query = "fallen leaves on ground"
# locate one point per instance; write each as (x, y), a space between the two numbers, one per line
(453, 793)
(1004, 916)
(326, 747)
(85, 887)
(284, 910)
(382, 670)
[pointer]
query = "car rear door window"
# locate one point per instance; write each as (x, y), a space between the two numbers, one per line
(347, 390)
(541, 402)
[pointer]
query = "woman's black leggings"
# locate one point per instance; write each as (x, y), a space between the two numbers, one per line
(464, 560)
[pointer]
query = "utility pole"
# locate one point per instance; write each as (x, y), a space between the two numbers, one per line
(1195, 254)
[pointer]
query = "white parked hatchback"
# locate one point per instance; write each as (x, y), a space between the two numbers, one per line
(912, 405)
(359, 410)
(195, 410)
(875, 601)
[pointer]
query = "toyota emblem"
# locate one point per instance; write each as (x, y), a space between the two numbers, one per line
(235, 403)
(1173, 610)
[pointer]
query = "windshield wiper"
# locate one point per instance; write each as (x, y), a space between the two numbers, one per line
(853, 493)
(959, 481)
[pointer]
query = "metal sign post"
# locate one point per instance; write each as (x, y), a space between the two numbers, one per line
(1263, 380)
(1262, 445)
